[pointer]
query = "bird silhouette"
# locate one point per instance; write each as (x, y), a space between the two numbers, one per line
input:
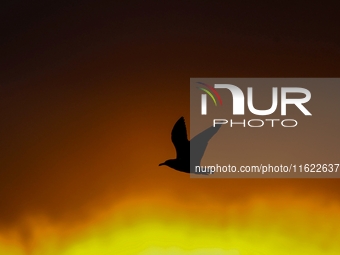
(188, 153)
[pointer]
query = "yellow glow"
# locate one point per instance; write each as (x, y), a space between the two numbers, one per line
(150, 230)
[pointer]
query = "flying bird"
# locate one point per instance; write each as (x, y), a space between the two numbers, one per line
(188, 153)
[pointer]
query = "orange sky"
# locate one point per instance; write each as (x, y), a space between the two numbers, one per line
(83, 134)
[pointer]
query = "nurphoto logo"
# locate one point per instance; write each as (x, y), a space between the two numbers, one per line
(239, 104)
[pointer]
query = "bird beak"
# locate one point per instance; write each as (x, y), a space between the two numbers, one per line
(161, 164)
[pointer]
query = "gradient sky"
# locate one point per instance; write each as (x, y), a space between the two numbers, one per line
(88, 96)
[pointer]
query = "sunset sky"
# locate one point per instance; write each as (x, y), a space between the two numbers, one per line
(89, 93)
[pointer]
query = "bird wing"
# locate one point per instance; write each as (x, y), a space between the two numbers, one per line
(199, 143)
(179, 139)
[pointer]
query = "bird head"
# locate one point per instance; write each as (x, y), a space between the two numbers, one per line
(168, 162)
(162, 164)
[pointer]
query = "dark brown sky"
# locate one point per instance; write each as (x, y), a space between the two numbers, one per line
(40, 36)
(88, 89)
